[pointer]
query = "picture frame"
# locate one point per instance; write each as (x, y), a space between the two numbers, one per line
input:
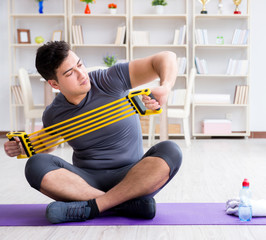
(57, 35)
(23, 36)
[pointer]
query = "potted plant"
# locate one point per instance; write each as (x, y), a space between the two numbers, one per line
(110, 60)
(159, 5)
(87, 9)
(112, 8)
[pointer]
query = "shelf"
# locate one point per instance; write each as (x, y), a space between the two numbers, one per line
(234, 134)
(98, 45)
(220, 46)
(220, 76)
(219, 105)
(25, 45)
(160, 16)
(160, 46)
(30, 75)
(215, 16)
(99, 15)
(35, 15)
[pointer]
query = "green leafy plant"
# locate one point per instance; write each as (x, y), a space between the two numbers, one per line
(159, 2)
(88, 1)
(110, 60)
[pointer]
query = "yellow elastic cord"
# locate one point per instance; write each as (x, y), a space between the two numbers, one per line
(81, 125)
(81, 115)
(80, 130)
(91, 130)
(74, 123)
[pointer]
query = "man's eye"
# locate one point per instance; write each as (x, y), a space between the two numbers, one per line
(80, 65)
(69, 74)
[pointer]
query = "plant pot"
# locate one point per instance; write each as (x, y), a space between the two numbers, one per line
(159, 9)
(112, 10)
(87, 9)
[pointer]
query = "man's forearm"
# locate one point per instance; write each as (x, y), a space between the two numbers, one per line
(165, 65)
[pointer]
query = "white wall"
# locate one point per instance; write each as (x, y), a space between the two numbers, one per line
(4, 68)
(257, 67)
(257, 75)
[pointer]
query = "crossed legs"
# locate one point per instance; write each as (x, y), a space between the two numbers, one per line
(146, 177)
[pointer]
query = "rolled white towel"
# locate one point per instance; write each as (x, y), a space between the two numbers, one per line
(258, 207)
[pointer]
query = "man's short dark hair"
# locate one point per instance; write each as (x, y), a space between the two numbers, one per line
(49, 57)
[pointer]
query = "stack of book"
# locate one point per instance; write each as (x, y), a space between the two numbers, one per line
(241, 94)
(77, 34)
(177, 97)
(237, 67)
(17, 93)
(141, 38)
(240, 37)
(120, 35)
(201, 36)
(201, 66)
(181, 65)
(179, 37)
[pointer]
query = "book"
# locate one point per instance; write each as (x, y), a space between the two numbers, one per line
(246, 94)
(202, 36)
(240, 36)
(236, 98)
(205, 36)
(201, 66)
(141, 38)
(182, 35)
(241, 94)
(75, 37)
(80, 32)
(236, 36)
(177, 97)
(237, 67)
(181, 65)
(176, 37)
(17, 93)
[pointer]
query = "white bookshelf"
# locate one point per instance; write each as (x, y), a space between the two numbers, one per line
(217, 80)
(25, 15)
(161, 30)
(99, 31)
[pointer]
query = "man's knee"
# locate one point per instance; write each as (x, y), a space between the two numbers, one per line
(171, 153)
(36, 167)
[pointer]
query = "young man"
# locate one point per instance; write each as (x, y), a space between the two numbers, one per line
(109, 169)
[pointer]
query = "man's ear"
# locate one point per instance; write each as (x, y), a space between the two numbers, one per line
(54, 84)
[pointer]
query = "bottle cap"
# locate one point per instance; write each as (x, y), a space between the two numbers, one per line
(245, 183)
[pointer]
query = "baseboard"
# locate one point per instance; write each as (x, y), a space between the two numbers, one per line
(252, 134)
(257, 135)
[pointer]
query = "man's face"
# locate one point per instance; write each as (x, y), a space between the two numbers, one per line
(73, 80)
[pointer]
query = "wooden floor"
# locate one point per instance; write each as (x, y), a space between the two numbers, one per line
(212, 171)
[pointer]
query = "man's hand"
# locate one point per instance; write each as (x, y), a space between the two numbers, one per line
(13, 148)
(160, 94)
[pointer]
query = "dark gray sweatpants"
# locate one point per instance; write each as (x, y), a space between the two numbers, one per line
(40, 164)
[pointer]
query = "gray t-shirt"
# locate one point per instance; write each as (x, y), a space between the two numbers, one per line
(110, 147)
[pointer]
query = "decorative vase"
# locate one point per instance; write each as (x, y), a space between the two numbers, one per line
(87, 9)
(159, 9)
(40, 6)
(112, 10)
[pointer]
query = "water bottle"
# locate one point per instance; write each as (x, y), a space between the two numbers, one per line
(245, 209)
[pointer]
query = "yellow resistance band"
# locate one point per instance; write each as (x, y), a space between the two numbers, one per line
(82, 124)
